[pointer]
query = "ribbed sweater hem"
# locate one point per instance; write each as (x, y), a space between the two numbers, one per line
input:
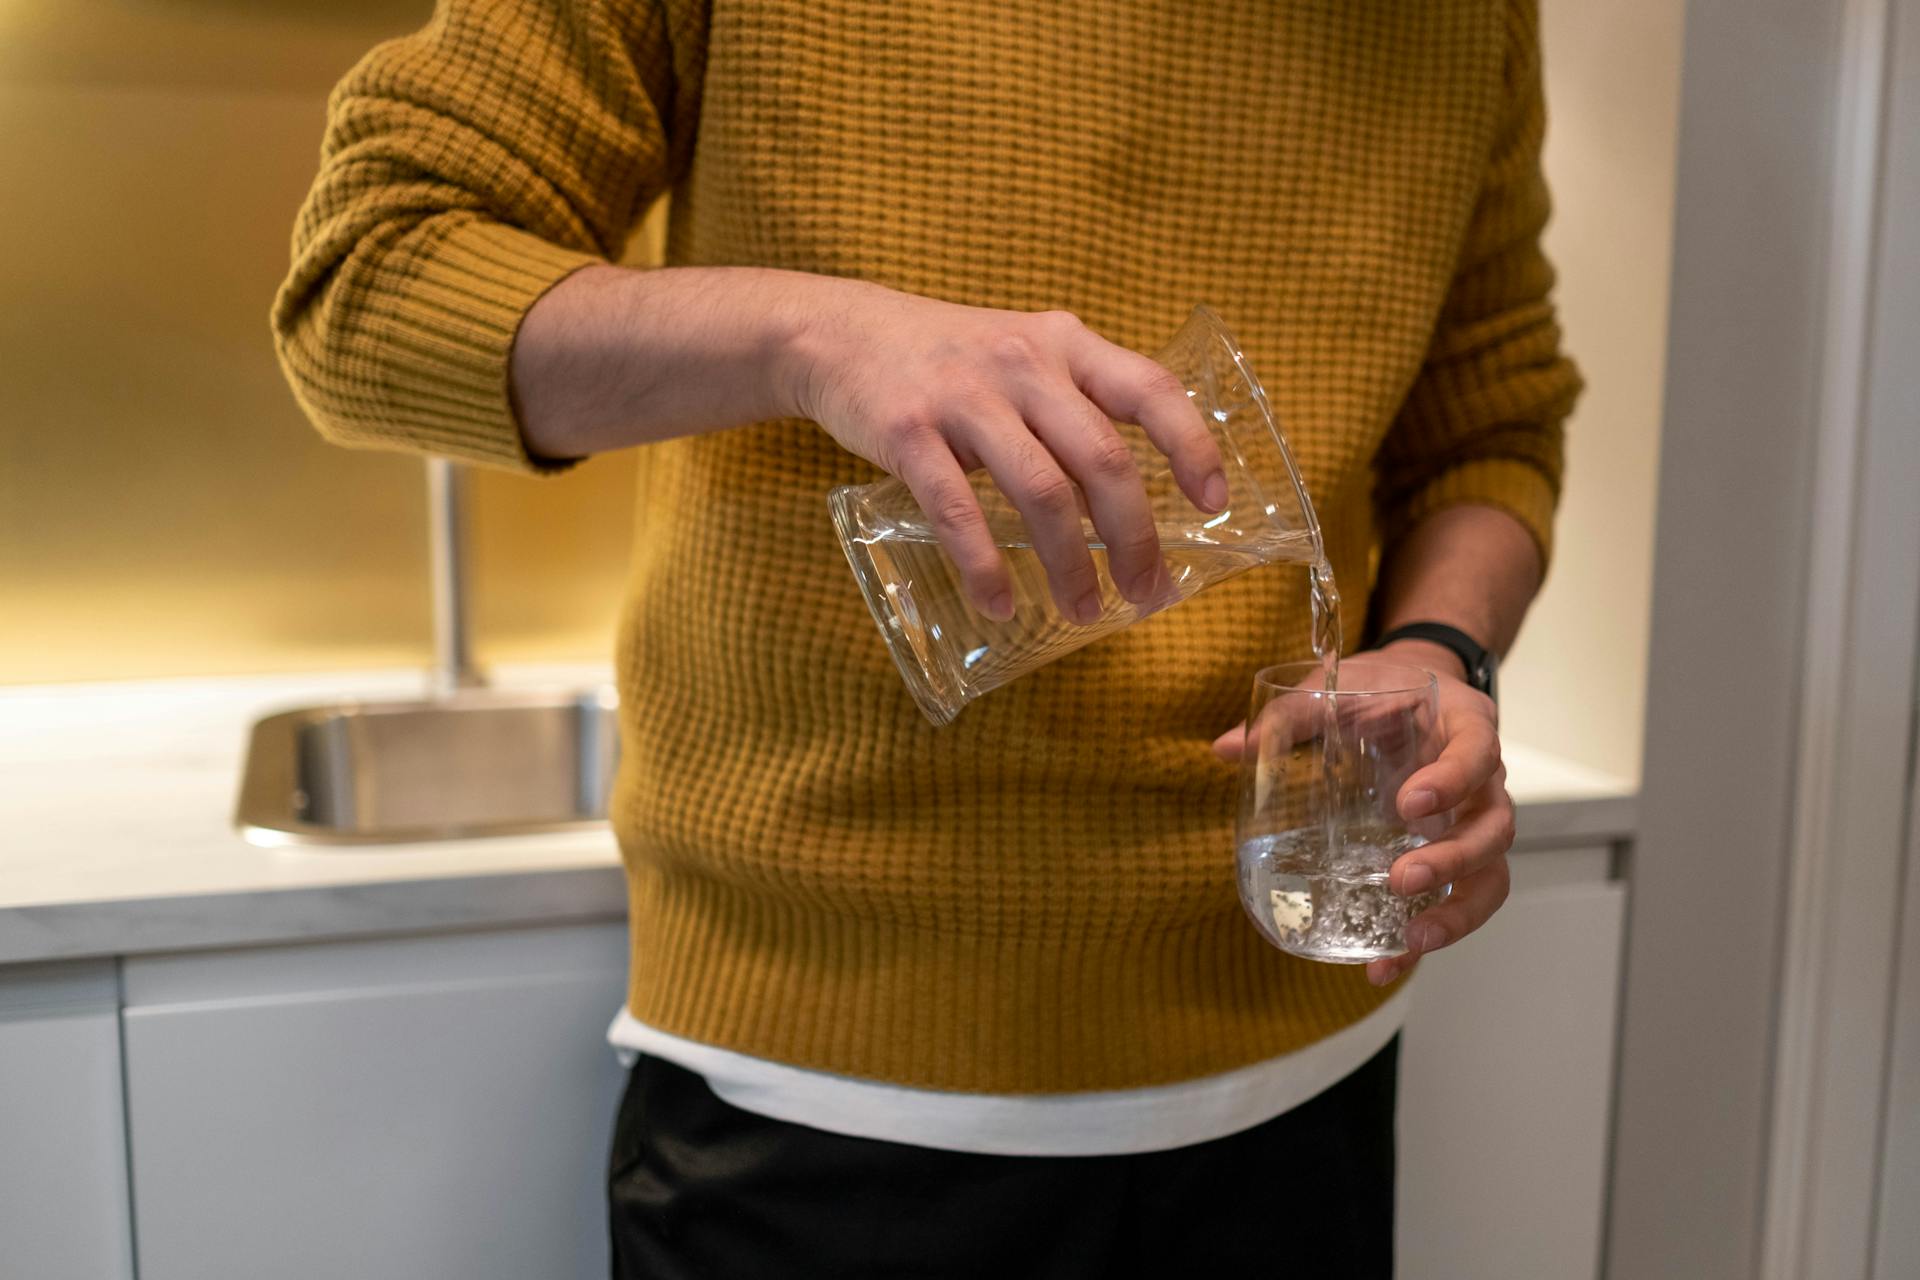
(800, 984)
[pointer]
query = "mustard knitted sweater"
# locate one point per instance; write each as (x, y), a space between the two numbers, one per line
(1039, 897)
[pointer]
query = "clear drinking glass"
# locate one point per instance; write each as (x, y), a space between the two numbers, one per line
(1319, 826)
(949, 654)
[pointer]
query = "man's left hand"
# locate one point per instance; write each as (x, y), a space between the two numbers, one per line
(1467, 778)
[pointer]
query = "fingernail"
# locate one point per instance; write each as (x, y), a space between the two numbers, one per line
(1388, 972)
(1215, 491)
(1000, 608)
(1417, 880)
(1086, 610)
(1147, 585)
(1425, 936)
(1419, 804)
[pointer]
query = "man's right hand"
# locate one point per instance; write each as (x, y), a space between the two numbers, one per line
(930, 390)
(926, 390)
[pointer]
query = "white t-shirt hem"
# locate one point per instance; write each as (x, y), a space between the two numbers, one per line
(1110, 1122)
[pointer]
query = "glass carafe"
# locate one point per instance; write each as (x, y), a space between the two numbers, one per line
(949, 653)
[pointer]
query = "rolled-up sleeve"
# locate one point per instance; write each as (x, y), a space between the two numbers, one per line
(465, 170)
(1483, 421)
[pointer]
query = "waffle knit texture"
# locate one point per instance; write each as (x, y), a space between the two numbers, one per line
(1041, 896)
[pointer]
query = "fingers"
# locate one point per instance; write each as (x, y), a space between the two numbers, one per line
(1286, 721)
(1129, 387)
(1469, 759)
(1472, 856)
(1034, 403)
(1384, 970)
(1047, 500)
(1475, 842)
(1470, 905)
(1093, 453)
(932, 474)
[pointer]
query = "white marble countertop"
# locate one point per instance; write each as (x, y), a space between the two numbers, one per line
(116, 831)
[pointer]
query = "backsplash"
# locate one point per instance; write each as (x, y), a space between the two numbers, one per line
(164, 507)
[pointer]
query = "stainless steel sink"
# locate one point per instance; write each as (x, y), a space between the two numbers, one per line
(477, 762)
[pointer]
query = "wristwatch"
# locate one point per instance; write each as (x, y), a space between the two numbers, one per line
(1482, 664)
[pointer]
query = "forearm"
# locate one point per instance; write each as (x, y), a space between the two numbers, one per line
(1473, 567)
(612, 357)
(923, 389)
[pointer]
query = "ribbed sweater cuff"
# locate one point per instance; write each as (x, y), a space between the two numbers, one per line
(463, 309)
(1520, 489)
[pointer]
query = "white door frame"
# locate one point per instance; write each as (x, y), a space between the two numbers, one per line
(1841, 928)
(1896, 1248)
(1759, 983)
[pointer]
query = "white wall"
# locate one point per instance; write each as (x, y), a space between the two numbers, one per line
(1574, 683)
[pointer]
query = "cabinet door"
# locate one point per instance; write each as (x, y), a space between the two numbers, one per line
(417, 1108)
(63, 1148)
(1506, 1084)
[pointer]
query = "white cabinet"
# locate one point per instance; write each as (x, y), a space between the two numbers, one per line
(439, 1105)
(1506, 1082)
(63, 1178)
(415, 1108)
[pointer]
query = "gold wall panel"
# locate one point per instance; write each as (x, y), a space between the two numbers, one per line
(164, 507)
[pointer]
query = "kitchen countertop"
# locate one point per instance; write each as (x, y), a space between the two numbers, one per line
(116, 831)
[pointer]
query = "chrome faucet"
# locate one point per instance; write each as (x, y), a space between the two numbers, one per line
(453, 665)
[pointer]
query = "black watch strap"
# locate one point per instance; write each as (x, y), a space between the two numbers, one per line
(1481, 663)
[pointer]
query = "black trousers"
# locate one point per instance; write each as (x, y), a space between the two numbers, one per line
(701, 1189)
